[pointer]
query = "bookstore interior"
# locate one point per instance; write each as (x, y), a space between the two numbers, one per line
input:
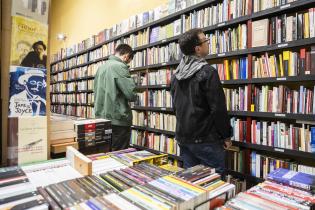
(105, 82)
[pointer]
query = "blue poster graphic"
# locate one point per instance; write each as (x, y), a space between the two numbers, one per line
(27, 91)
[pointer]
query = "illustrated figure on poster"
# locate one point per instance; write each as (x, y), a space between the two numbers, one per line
(37, 57)
(30, 93)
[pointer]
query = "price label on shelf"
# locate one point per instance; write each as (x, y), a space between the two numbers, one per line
(164, 64)
(279, 115)
(279, 150)
(285, 6)
(164, 40)
(163, 109)
(283, 45)
(281, 78)
(221, 54)
(132, 69)
(164, 85)
(222, 82)
(221, 24)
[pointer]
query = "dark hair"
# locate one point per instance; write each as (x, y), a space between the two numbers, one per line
(39, 43)
(124, 49)
(189, 40)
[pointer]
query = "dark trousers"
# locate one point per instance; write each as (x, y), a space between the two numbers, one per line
(211, 154)
(120, 137)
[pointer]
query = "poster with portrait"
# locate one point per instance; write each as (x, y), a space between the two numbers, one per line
(28, 47)
(33, 9)
(27, 91)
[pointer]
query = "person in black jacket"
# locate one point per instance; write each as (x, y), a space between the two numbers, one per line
(36, 58)
(203, 127)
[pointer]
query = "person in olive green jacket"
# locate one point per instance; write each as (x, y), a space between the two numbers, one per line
(114, 89)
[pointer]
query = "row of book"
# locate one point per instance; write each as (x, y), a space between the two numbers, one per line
(260, 5)
(155, 120)
(233, 69)
(275, 134)
(284, 189)
(162, 121)
(154, 77)
(139, 118)
(214, 14)
(160, 77)
(156, 55)
(284, 28)
(139, 39)
(283, 99)
(159, 98)
(228, 40)
(126, 25)
(158, 142)
(279, 99)
(84, 85)
(77, 73)
(141, 99)
(261, 165)
(284, 64)
(287, 63)
(70, 110)
(74, 98)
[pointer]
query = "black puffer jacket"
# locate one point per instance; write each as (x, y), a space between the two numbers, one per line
(200, 107)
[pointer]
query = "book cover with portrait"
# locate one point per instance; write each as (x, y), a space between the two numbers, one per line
(29, 46)
(27, 91)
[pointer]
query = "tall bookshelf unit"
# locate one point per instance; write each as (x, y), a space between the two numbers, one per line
(304, 158)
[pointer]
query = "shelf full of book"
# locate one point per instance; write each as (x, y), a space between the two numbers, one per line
(264, 56)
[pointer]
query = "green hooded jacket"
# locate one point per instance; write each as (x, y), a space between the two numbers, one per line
(113, 89)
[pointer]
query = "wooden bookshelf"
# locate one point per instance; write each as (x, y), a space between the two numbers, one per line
(298, 5)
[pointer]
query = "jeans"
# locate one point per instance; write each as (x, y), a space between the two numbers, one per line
(120, 137)
(211, 154)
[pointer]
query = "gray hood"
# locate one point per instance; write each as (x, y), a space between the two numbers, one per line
(188, 66)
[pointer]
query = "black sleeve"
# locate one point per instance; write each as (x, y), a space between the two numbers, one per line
(27, 61)
(217, 104)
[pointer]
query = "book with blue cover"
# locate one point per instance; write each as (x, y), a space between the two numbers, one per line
(294, 179)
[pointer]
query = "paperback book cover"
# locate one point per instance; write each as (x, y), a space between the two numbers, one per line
(294, 179)
(27, 91)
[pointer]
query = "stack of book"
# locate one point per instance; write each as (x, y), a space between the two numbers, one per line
(280, 193)
(16, 191)
(102, 163)
(124, 179)
(93, 132)
(62, 133)
(135, 157)
(206, 178)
